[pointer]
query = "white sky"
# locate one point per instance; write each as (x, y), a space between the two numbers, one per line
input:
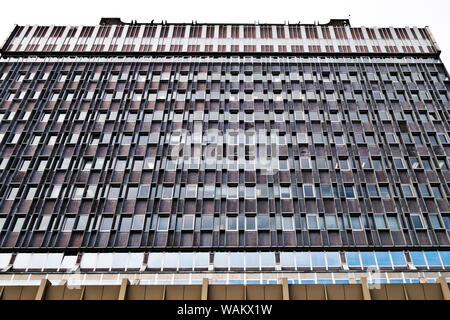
(380, 13)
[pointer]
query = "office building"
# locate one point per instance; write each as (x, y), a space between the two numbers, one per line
(310, 160)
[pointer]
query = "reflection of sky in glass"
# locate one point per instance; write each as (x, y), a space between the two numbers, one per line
(417, 258)
(433, 258)
(353, 259)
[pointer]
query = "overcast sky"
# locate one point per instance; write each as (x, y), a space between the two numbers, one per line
(379, 13)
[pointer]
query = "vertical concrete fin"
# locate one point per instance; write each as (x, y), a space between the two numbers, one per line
(42, 287)
(444, 287)
(123, 289)
(205, 284)
(365, 288)
(285, 287)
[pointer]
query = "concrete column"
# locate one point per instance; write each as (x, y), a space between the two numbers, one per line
(41, 291)
(444, 287)
(285, 286)
(123, 289)
(365, 288)
(205, 289)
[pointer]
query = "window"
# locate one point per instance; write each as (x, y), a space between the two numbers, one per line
(191, 191)
(144, 191)
(433, 258)
(163, 223)
(69, 224)
(283, 164)
(267, 259)
(380, 221)
(19, 225)
(209, 191)
(393, 223)
(232, 193)
(188, 222)
(331, 221)
(368, 259)
(305, 163)
(317, 259)
(132, 192)
(287, 259)
(436, 192)
(442, 138)
(43, 224)
(326, 191)
(391, 137)
(312, 221)
(417, 221)
(417, 139)
(349, 192)
(42, 165)
(377, 164)
(232, 223)
(383, 259)
(114, 193)
(398, 258)
(120, 165)
(250, 193)
(126, 139)
(433, 140)
(321, 163)
(288, 223)
(87, 165)
(106, 224)
(356, 222)
(435, 221)
(125, 224)
(308, 191)
(250, 223)
(334, 117)
(31, 193)
(263, 222)
(12, 193)
(385, 194)
(442, 164)
(426, 164)
(343, 164)
(24, 166)
(399, 164)
(407, 191)
(171, 165)
(303, 259)
(417, 258)
(54, 191)
(262, 191)
(424, 190)
(333, 259)
(35, 140)
(365, 163)
(167, 192)
(149, 163)
(285, 193)
(372, 190)
(78, 193)
(207, 222)
(339, 139)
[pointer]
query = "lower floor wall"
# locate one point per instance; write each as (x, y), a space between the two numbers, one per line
(206, 291)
